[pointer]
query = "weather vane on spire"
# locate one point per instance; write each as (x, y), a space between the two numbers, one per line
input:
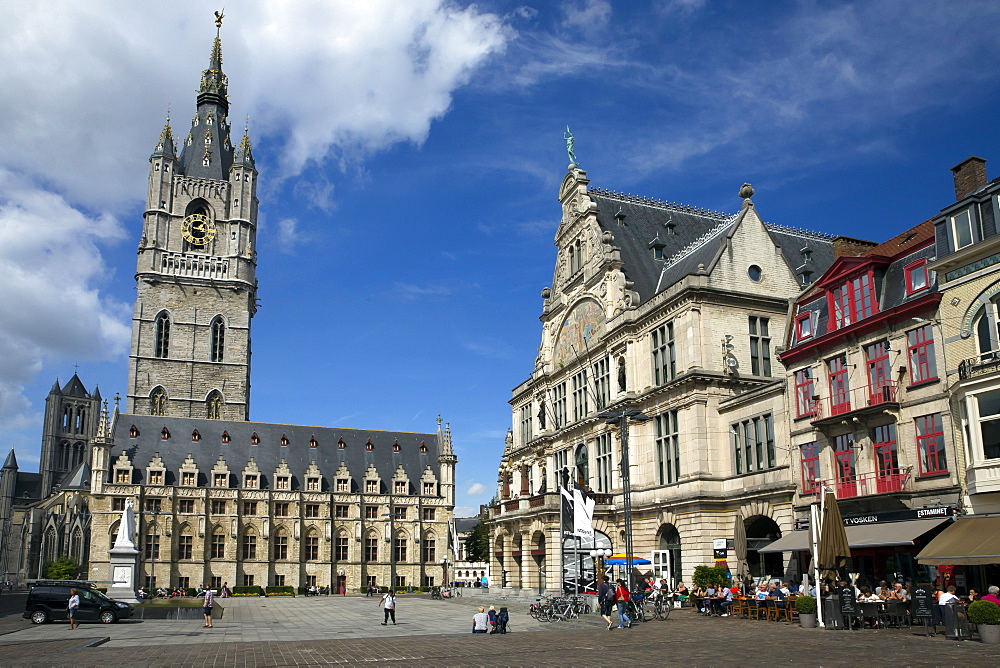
(570, 141)
(218, 18)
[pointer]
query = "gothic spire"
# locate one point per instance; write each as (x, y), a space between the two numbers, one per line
(11, 462)
(213, 82)
(244, 152)
(165, 146)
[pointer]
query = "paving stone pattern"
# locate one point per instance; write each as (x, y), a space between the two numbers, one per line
(299, 631)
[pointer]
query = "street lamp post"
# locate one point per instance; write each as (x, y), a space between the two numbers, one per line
(154, 549)
(622, 418)
(599, 555)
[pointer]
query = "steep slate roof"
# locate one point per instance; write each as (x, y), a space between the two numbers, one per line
(75, 388)
(696, 239)
(78, 478)
(11, 461)
(268, 455)
(28, 486)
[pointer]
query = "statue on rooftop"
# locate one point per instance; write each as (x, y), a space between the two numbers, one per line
(570, 141)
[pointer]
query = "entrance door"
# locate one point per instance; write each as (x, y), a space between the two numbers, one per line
(341, 584)
(663, 566)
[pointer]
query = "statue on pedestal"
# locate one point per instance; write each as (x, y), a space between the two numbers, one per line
(124, 558)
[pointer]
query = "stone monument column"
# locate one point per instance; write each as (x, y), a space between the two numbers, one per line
(124, 558)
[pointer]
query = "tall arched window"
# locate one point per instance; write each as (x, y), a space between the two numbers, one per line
(218, 338)
(158, 401)
(161, 344)
(582, 464)
(213, 405)
(76, 545)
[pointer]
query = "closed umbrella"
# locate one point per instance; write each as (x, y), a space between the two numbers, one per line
(740, 545)
(834, 550)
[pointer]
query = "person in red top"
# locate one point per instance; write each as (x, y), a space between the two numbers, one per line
(992, 596)
(622, 595)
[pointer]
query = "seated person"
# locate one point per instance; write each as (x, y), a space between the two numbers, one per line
(681, 592)
(898, 593)
(724, 601)
(480, 621)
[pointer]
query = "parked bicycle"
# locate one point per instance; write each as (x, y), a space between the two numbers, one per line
(660, 606)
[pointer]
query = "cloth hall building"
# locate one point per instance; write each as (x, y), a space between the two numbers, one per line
(219, 498)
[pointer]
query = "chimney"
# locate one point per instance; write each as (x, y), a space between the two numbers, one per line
(851, 247)
(970, 174)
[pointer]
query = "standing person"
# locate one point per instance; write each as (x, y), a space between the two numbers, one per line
(606, 600)
(73, 607)
(388, 602)
(207, 610)
(621, 598)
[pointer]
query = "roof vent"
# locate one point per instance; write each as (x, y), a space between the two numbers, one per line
(369, 445)
(620, 217)
(341, 444)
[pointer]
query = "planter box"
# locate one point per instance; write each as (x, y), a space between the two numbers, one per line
(807, 621)
(989, 633)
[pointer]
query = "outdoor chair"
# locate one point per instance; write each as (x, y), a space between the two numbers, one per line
(895, 612)
(870, 612)
(760, 609)
(784, 610)
(772, 610)
(793, 613)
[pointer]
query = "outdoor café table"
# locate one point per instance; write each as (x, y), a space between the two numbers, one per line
(697, 602)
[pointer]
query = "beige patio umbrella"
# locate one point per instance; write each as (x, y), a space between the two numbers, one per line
(834, 550)
(740, 546)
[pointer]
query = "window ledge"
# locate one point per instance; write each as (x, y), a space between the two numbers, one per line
(932, 476)
(923, 383)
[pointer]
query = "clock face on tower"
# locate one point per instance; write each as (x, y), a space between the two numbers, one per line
(197, 229)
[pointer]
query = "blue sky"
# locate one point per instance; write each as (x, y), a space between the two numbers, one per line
(410, 155)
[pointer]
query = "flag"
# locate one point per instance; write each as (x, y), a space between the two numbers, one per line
(567, 513)
(583, 513)
(454, 540)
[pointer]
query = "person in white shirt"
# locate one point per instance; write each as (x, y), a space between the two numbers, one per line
(74, 606)
(948, 596)
(388, 602)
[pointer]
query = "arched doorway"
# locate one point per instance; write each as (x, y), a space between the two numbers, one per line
(761, 532)
(667, 558)
(538, 554)
(578, 565)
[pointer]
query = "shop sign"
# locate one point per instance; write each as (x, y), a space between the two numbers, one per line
(898, 516)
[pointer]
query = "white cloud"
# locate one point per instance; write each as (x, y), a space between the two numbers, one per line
(86, 86)
(50, 289)
(588, 16)
(476, 489)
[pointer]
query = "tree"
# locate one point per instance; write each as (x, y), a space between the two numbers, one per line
(63, 568)
(477, 545)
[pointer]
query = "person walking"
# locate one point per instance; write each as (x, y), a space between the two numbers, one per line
(621, 599)
(388, 603)
(207, 610)
(606, 600)
(73, 608)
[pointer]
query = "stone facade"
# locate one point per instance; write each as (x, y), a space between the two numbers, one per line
(671, 310)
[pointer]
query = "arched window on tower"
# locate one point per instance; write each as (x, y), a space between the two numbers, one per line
(161, 344)
(158, 401)
(218, 338)
(213, 405)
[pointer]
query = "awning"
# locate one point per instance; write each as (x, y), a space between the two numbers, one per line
(883, 534)
(887, 534)
(970, 541)
(790, 542)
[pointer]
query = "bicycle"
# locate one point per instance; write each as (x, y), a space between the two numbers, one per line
(661, 606)
(562, 610)
(636, 607)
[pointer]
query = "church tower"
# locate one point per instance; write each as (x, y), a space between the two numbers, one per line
(196, 270)
(70, 422)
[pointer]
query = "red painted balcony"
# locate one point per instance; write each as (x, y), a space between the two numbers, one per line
(857, 400)
(866, 484)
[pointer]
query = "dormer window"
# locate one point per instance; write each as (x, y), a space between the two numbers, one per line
(156, 477)
(395, 446)
(312, 484)
(371, 486)
(803, 326)
(369, 445)
(123, 476)
(963, 229)
(225, 437)
(164, 435)
(807, 277)
(282, 482)
(429, 489)
(343, 485)
(423, 447)
(853, 301)
(341, 445)
(188, 478)
(255, 439)
(313, 443)
(251, 481)
(916, 277)
(221, 479)
(195, 436)
(400, 487)
(284, 440)
(133, 432)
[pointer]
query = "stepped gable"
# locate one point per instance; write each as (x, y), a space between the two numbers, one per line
(269, 453)
(644, 219)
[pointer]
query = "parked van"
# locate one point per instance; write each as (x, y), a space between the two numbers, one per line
(48, 600)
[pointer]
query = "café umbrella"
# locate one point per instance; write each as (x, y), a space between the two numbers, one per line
(834, 550)
(740, 546)
(620, 559)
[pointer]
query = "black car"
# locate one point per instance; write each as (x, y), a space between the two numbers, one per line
(49, 600)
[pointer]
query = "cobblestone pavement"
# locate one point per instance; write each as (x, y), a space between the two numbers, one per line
(683, 639)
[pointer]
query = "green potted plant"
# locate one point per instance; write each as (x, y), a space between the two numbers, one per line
(805, 605)
(986, 616)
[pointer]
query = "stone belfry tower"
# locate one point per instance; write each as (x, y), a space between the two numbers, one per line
(196, 271)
